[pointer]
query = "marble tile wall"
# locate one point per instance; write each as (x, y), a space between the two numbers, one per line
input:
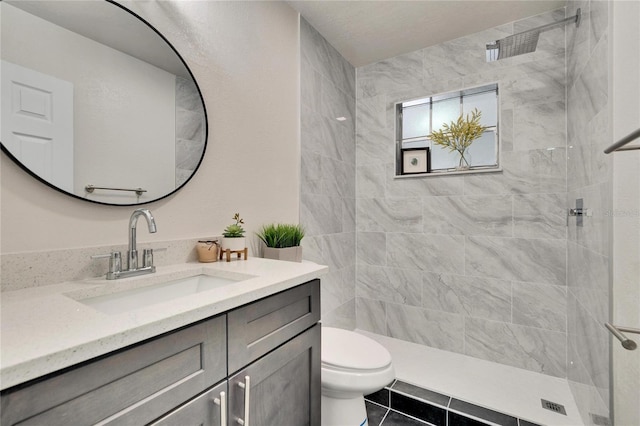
(327, 182)
(190, 129)
(474, 264)
(590, 178)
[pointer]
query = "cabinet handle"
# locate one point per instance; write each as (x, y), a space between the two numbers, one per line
(247, 388)
(222, 402)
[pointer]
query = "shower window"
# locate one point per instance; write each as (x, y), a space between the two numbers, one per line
(418, 118)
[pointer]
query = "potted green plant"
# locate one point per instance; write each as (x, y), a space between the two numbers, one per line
(233, 235)
(459, 135)
(282, 241)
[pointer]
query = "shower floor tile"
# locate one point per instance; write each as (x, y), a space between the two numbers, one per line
(509, 390)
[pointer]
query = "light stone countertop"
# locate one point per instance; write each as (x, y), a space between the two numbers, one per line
(45, 329)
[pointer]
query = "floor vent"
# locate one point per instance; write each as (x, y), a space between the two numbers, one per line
(552, 406)
(599, 420)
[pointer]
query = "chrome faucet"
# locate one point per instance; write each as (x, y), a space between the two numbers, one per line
(115, 258)
(132, 253)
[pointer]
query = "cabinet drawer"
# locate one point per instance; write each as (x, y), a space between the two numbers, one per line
(262, 326)
(132, 386)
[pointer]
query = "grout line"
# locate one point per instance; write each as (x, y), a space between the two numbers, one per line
(410, 416)
(434, 404)
(384, 417)
(378, 405)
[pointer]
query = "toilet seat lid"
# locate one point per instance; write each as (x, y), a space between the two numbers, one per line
(347, 349)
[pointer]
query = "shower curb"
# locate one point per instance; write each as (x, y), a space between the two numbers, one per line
(420, 406)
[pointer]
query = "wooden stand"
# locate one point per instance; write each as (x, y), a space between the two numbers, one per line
(238, 252)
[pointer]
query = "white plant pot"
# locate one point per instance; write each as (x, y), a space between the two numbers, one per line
(233, 243)
(290, 254)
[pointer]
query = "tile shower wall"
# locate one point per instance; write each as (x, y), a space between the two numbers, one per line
(327, 184)
(589, 178)
(475, 263)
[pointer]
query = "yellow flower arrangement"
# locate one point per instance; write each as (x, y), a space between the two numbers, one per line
(459, 135)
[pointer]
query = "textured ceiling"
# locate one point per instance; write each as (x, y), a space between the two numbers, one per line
(368, 31)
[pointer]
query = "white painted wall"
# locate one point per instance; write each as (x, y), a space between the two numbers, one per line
(245, 57)
(109, 87)
(626, 210)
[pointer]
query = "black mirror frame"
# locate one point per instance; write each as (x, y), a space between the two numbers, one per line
(206, 129)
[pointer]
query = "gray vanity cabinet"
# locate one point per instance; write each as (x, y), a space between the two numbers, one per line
(268, 350)
(133, 386)
(274, 351)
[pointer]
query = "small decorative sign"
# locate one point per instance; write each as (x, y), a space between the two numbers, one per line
(416, 160)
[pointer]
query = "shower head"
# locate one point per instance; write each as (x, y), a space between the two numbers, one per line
(524, 42)
(513, 45)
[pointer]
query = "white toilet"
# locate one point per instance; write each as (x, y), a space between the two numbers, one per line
(353, 365)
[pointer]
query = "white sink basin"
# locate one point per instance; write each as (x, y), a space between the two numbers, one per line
(129, 300)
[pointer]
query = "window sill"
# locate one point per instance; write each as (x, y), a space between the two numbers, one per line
(449, 173)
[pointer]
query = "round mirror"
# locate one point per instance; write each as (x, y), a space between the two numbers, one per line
(96, 103)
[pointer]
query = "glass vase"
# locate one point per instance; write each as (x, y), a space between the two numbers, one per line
(464, 161)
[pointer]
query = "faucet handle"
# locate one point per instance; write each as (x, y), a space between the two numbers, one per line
(115, 262)
(147, 257)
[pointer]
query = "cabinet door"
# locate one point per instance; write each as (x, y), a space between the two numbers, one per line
(284, 385)
(208, 409)
(262, 326)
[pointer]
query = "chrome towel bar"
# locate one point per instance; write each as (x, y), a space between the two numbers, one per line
(617, 331)
(619, 146)
(91, 188)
